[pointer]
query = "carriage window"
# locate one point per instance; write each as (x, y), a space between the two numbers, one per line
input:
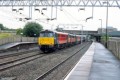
(46, 34)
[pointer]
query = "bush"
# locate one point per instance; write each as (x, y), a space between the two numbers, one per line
(19, 31)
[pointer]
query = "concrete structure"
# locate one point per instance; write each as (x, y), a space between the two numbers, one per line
(114, 34)
(15, 39)
(109, 29)
(96, 64)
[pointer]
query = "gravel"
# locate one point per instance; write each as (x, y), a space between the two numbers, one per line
(12, 58)
(64, 69)
(33, 69)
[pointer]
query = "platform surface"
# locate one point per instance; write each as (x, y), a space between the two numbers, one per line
(9, 45)
(97, 64)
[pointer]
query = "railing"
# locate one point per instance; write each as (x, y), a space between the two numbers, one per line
(17, 39)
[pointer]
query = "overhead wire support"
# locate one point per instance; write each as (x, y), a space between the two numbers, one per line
(63, 3)
(118, 4)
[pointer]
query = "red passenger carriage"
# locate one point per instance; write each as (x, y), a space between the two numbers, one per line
(62, 39)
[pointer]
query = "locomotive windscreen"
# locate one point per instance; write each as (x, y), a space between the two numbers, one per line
(46, 34)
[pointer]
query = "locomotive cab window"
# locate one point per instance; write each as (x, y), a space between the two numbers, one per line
(48, 34)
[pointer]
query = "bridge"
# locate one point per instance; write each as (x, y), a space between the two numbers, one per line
(61, 3)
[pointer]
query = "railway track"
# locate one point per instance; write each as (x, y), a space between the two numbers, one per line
(5, 55)
(59, 64)
(16, 62)
(40, 65)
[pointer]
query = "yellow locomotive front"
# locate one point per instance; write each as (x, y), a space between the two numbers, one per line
(46, 41)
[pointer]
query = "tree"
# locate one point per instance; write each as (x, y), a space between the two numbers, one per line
(1, 27)
(19, 31)
(32, 29)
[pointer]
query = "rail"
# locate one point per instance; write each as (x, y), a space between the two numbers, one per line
(55, 67)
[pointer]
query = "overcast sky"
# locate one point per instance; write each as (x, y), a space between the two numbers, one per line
(65, 15)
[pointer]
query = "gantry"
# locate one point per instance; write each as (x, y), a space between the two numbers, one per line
(63, 3)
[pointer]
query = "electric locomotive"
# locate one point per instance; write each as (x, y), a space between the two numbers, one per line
(52, 40)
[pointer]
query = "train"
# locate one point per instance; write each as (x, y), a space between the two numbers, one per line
(51, 40)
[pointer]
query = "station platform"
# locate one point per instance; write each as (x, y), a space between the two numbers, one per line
(96, 64)
(9, 45)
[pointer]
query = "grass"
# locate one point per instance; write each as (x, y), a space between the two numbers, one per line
(5, 35)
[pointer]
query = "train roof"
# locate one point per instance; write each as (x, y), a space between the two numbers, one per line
(78, 35)
(59, 32)
(54, 32)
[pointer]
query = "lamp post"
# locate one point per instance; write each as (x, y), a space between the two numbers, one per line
(82, 34)
(106, 25)
(101, 30)
(101, 25)
(106, 35)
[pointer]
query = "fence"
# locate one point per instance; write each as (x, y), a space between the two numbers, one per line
(114, 46)
(17, 39)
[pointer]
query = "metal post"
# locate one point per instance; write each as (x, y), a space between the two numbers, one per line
(101, 30)
(82, 34)
(92, 11)
(21, 39)
(56, 12)
(21, 36)
(106, 43)
(51, 9)
(101, 25)
(30, 10)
